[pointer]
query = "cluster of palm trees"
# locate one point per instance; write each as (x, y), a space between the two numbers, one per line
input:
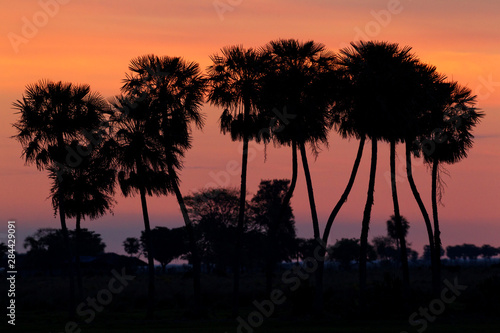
(287, 92)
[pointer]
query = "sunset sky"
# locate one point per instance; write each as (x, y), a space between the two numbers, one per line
(93, 41)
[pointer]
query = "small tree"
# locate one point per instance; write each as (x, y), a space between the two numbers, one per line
(132, 246)
(488, 251)
(347, 250)
(168, 244)
(384, 247)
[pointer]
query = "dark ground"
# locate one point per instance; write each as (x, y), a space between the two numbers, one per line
(41, 304)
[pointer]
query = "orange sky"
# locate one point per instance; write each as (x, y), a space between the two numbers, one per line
(93, 41)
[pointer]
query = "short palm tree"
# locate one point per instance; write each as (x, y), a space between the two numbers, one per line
(52, 115)
(174, 89)
(235, 83)
(139, 157)
(393, 232)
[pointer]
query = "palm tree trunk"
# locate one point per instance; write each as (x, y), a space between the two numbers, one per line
(293, 182)
(64, 228)
(192, 242)
(366, 224)
(437, 232)
(318, 298)
(397, 220)
(321, 263)
(310, 191)
(241, 217)
(347, 190)
(149, 247)
(425, 215)
(77, 256)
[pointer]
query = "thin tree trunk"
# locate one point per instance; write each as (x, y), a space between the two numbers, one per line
(293, 182)
(241, 216)
(310, 191)
(425, 215)
(365, 225)
(318, 296)
(347, 190)
(321, 263)
(149, 247)
(64, 228)
(67, 245)
(437, 232)
(77, 256)
(192, 242)
(397, 221)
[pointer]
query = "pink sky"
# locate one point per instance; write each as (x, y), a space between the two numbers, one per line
(91, 42)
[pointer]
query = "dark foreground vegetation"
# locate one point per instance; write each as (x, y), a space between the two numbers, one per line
(41, 303)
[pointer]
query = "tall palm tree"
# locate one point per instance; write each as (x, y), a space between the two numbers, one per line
(382, 79)
(139, 157)
(430, 95)
(89, 191)
(299, 81)
(452, 138)
(174, 89)
(235, 83)
(53, 114)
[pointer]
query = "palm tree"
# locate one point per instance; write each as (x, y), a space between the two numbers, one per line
(379, 95)
(53, 114)
(393, 232)
(235, 83)
(89, 191)
(139, 158)
(454, 119)
(174, 89)
(299, 81)
(429, 95)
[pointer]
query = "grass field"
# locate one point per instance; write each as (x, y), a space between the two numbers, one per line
(41, 304)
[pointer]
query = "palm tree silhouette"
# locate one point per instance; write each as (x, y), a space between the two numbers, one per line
(52, 115)
(432, 90)
(452, 138)
(89, 191)
(299, 82)
(175, 90)
(235, 83)
(382, 80)
(393, 232)
(141, 164)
